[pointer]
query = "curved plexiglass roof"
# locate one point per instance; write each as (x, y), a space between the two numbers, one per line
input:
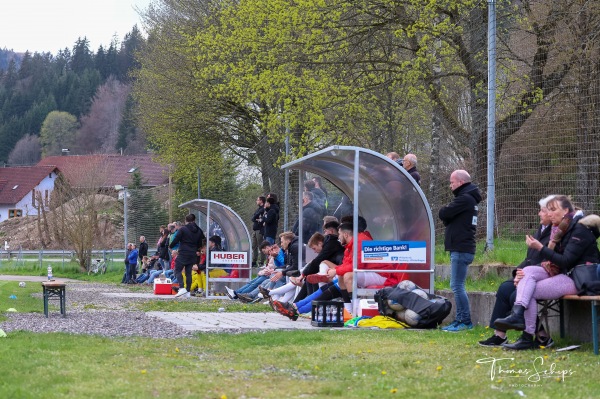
(389, 199)
(232, 225)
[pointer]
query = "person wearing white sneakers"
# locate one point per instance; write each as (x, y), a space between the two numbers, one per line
(190, 238)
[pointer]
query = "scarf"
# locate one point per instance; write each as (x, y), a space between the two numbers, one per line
(558, 231)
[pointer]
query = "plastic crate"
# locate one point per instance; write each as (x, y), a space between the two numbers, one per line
(327, 314)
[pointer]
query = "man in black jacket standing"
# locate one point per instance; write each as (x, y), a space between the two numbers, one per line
(257, 231)
(189, 238)
(460, 219)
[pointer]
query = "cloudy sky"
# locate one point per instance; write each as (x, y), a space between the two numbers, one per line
(51, 25)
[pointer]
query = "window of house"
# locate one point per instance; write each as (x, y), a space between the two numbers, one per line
(15, 213)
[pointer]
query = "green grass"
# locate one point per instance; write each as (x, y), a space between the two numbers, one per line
(278, 364)
(24, 302)
(505, 252)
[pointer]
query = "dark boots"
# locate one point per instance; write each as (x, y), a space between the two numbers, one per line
(516, 320)
(526, 341)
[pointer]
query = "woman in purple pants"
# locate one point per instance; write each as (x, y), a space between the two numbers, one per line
(571, 243)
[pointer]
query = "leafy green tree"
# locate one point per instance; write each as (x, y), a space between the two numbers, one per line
(58, 132)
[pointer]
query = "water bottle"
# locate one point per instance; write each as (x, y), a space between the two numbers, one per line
(320, 314)
(49, 273)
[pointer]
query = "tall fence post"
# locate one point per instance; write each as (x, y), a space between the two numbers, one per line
(491, 125)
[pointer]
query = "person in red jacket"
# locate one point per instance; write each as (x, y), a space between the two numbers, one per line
(345, 271)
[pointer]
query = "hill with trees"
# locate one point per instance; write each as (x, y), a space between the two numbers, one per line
(76, 99)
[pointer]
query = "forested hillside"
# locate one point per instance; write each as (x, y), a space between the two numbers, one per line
(77, 99)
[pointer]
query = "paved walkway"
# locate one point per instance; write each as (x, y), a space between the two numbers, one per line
(227, 322)
(6, 277)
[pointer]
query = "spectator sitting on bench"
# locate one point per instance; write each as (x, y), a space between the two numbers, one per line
(571, 244)
(316, 243)
(345, 270)
(263, 274)
(275, 259)
(198, 271)
(507, 292)
(285, 293)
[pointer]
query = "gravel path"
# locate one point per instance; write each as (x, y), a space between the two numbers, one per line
(90, 312)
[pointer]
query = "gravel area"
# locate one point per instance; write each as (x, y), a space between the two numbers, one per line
(90, 312)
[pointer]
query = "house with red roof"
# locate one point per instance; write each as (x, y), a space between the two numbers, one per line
(24, 189)
(109, 170)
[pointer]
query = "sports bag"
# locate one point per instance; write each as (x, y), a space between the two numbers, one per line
(584, 277)
(417, 309)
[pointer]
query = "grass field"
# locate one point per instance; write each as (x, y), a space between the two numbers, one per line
(289, 364)
(280, 364)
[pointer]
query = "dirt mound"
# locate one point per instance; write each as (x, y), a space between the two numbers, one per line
(24, 231)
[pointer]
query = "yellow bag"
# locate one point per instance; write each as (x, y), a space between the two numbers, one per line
(381, 322)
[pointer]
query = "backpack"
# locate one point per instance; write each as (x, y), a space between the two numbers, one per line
(417, 311)
(586, 278)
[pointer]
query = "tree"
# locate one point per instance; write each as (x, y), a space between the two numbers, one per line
(75, 212)
(27, 151)
(58, 132)
(100, 127)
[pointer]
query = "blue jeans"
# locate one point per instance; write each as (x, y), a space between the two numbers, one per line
(251, 286)
(459, 266)
(270, 240)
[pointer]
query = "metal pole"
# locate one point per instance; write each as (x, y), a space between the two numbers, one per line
(125, 216)
(286, 189)
(198, 170)
(355, 249)
(491, 126)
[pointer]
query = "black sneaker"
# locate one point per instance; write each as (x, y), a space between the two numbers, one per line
(544, 342)
(264, 291)
(245, 298)
(494, 340)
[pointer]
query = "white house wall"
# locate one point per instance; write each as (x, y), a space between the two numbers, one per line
(25, 203)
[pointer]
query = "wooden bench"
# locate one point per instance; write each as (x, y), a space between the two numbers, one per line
(557, 305)
(55, 290)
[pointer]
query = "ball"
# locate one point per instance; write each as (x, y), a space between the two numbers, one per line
(411, 317)
(22, 284)
(407, 285)
(394, 305)
(400, 315)
(421, 293)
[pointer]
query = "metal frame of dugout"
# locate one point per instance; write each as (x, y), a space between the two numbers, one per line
(381, 191)
(236, 233)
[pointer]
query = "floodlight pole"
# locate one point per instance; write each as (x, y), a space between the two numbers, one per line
(491, 125)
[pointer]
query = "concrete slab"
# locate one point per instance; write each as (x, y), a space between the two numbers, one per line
(226, 322)
(141, 295)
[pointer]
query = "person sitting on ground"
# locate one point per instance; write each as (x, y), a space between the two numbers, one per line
(145, 274)
(157, 270)
(571, 243)
(507, 292)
